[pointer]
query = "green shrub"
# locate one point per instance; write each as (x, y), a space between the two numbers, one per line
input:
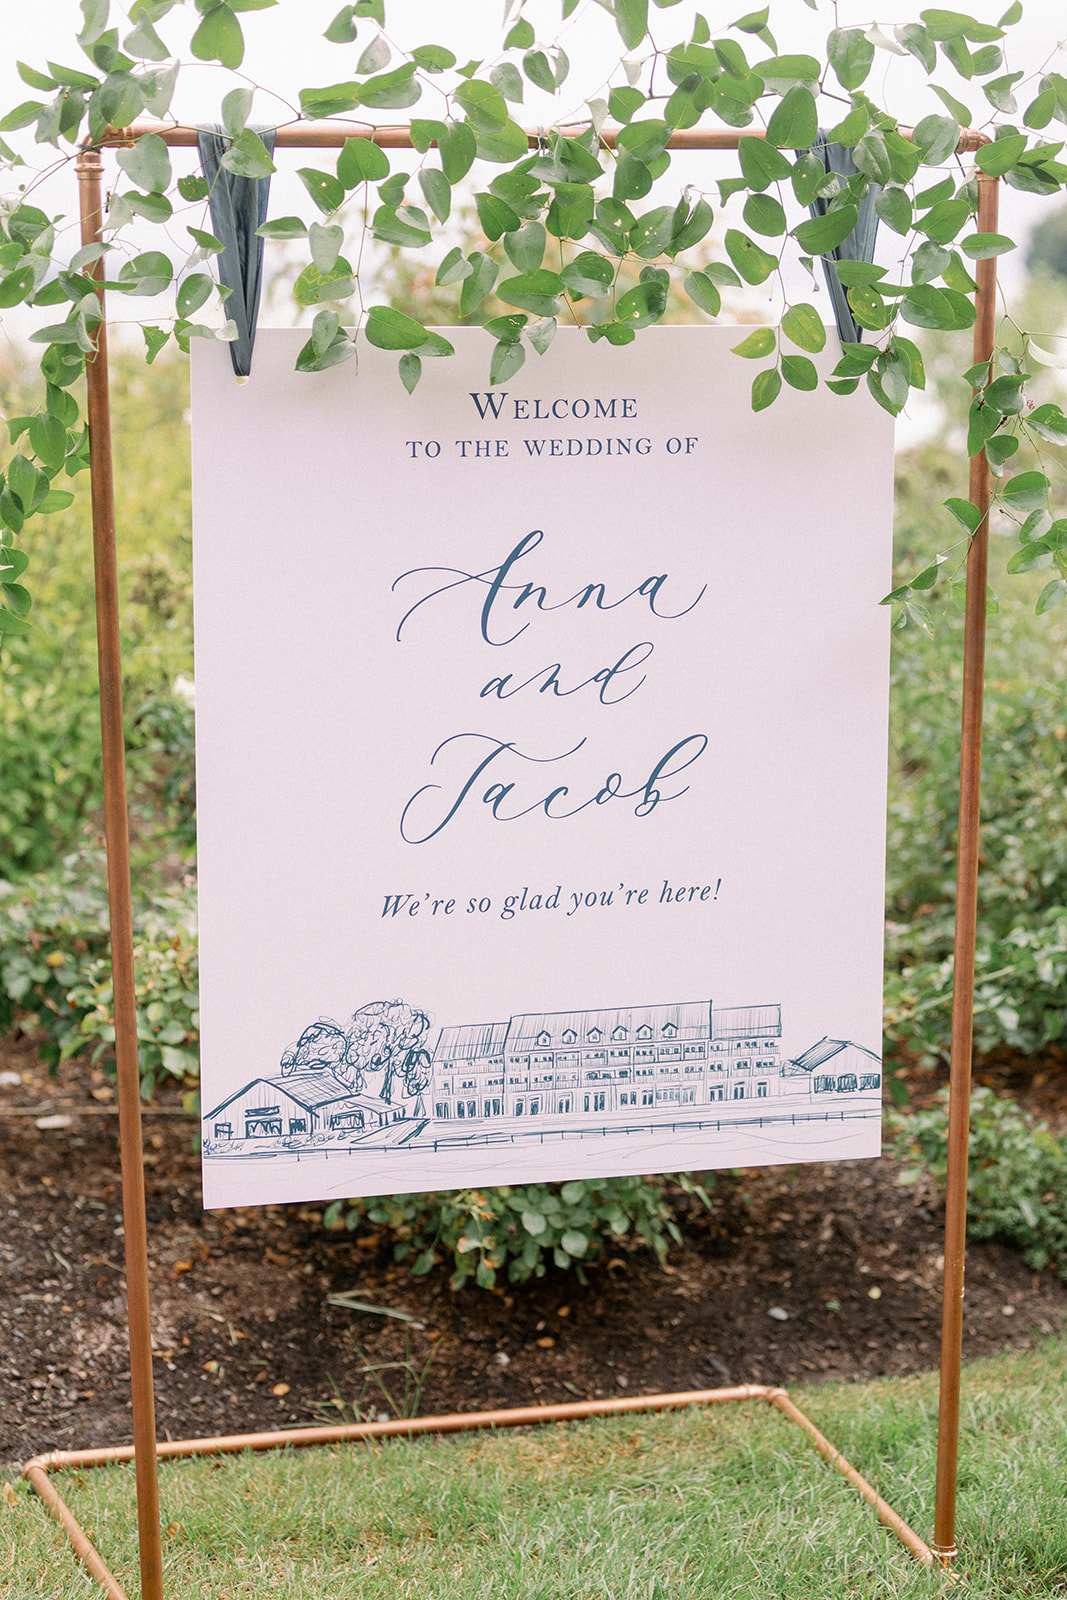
(1016, 1174)
(523, 1228)
(55, 970)
(1022, 927)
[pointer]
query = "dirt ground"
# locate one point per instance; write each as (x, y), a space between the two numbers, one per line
(825, 1271)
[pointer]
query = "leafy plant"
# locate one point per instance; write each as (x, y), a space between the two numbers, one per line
(1016, 1175)
(576, 190)
(524, 1228)
(55, 971)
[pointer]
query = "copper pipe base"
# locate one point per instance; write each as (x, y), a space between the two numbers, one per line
(37, 1471)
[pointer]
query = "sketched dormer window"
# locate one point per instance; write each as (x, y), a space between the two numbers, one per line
(594, 1036)
(544, 1039)
(569, 1036)
(644, 1032)
(619, 1034)
(669, 1030)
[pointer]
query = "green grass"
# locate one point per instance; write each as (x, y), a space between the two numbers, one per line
(731, 1501)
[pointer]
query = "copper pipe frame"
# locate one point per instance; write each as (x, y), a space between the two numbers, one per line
(89, 168)
(145, 1451)
(974, 635)
(330, 135)
(37, 1470)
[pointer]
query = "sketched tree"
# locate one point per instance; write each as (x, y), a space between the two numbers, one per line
(386, 1034)
(320, 1048)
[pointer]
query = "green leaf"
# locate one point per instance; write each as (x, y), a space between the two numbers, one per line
(819, 235)
(219, 38)
(313, 287)
(392, 330)
(458, 149)
(943, 25)
(804, 326)
(525, 249)
(15, 287)
(392, 91)
(410, 369)
(631, 19)
(508, 356)
(642, 305)
(766, 388)
(478, 284)
(764, 215)
(983, 246)
(754, 264)
(1049, 423)
(799, 372)
(506, 78)
(192, 294)
(703, 293)
(496, 216)
(538, 292)
(361, 161)
(893, 205)
(1053, 594)
(926, 307)
(850, 54)
(651, 233)
(964, 512)
(193, 186)
(688, 228)
(326, 191)
(437, 191)
(146, 163)
(146, 274)
(248, 157)
(21, 116)
(330, 100)
(485, 106)
(761, 163)
(1031, 558)
(943, 222)
(283, 228)
(760, 342)
(624, 102)
(507, 146)
(376, 56)
(405, 226)
(936, 139)
(794, 121)
(1028, 491)
(48, 441)
(342, 29)
(587, 274)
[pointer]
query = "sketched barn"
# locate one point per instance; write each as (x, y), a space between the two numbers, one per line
(294, 1109)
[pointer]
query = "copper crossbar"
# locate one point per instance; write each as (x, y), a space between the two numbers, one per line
(145, 1452)
(38, 1470)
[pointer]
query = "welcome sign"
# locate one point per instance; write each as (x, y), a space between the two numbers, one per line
(541, 747)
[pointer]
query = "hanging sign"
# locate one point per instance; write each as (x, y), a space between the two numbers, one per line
(541, 754)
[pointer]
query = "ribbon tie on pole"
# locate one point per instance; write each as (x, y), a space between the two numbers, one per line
(238, 207)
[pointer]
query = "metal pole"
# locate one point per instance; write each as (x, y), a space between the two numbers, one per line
(948, 1421)
(90, 170)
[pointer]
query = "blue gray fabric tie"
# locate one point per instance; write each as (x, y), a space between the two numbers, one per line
(859, 246)
(238, 208)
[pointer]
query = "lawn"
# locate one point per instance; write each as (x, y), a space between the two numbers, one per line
(730, 1501)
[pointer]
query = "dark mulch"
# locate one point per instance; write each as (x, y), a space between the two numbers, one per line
(239, 1297)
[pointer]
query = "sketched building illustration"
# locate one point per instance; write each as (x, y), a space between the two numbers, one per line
(613, 1068)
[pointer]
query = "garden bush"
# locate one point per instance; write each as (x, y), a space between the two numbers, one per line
(524, 1228)
(1016, 1175)
(55, 971)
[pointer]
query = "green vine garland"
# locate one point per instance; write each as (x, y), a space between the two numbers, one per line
(565, 213)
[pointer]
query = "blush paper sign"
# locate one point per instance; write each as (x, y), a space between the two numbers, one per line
(541, 759)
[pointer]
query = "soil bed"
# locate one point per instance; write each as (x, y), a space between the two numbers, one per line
(799, 1272)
